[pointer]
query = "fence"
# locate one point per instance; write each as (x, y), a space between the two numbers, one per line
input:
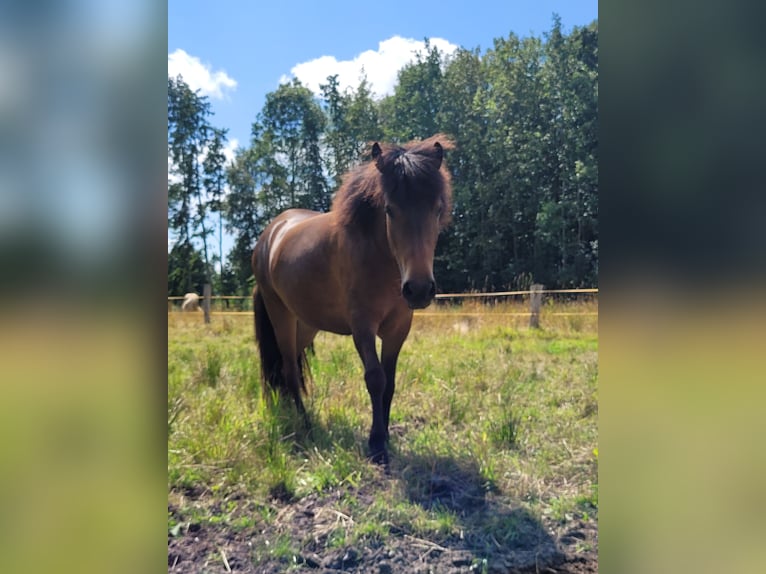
(242, 304)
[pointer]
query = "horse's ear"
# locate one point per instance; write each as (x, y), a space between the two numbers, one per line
(377, 155)
(439, 153)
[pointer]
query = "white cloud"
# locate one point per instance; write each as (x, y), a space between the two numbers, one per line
(199, 76)
(380, 66)
(230, 149)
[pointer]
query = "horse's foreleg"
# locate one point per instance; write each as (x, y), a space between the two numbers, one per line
(375, 379)
(389, 369)
(393, 339)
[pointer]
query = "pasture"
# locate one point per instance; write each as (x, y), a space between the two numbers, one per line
(494, 449)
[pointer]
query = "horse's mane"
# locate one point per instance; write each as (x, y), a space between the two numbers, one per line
(363, 190)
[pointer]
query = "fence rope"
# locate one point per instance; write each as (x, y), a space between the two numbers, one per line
(533, 314)
(442, 295)
(448, 314)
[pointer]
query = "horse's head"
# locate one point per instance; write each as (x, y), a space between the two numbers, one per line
(417, 206)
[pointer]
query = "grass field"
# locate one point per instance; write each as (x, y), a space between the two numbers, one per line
(493, 450)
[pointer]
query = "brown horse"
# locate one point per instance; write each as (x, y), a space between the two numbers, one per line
(358, 270)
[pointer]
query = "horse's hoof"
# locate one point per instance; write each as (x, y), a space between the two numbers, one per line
(380, 458)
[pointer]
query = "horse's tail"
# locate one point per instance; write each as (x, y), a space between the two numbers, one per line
(271, 358)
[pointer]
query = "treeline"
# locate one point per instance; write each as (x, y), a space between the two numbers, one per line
(524, 116)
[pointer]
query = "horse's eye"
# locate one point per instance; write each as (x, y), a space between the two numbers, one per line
(389, 212)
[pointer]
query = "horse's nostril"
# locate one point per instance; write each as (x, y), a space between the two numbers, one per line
(419, 291)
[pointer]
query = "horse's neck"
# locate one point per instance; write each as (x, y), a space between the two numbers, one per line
(369, 240)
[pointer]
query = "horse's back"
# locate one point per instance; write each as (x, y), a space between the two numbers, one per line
(326, 277)
(271, 236)
(297, 260)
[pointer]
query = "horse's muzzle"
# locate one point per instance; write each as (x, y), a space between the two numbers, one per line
(419, 294)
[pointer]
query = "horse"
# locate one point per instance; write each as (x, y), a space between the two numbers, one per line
(359, 269)
(191, 302)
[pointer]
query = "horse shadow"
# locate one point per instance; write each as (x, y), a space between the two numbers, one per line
(491, 528)
(488, 527)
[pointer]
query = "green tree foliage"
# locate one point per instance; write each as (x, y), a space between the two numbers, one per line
(566, 225)
(411, 113)
(186, 113)
(292, 123)
(340, 146)
(463, 114)
(256, 194)
(214, 181)
(195, 182)
(186, 270)
(363, 121)
(524, 116)
(282, 168)
(352, 123)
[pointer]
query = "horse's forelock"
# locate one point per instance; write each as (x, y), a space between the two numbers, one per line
(418, 166)
(421, 162)
(428, 146)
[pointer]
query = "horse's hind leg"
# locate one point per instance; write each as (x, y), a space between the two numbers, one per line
(306, 336)
(285, 331)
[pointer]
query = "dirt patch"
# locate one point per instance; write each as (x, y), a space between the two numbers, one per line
(298, 536)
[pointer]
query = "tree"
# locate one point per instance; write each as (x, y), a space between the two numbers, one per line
(411, 112)
(195, 172)
(186, 115)
(186, 270)
(461, 117)
(363, 120)
(337, 140)
(524, 115)
(352, 123)
(292, 122)
(214, 182)
(282, 168)
(256, 181)
(566, 230)
(515, 134)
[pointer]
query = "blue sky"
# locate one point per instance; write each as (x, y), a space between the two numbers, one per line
(257, 43)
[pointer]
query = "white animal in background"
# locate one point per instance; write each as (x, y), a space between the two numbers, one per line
(191, 302)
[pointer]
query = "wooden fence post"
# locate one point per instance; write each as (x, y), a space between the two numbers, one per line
(206, 295)
(535, 301)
